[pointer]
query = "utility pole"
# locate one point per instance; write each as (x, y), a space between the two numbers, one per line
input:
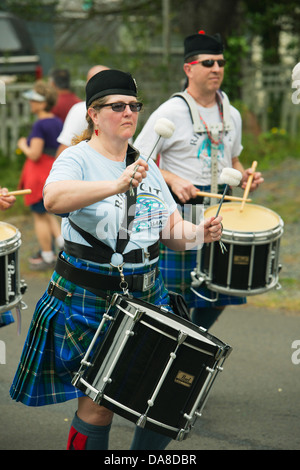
(166, 31)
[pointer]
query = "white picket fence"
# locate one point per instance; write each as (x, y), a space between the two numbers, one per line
(14, 114)
(264, 84)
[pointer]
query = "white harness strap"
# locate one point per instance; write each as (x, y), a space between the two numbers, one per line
(197, 124)
(213, 128)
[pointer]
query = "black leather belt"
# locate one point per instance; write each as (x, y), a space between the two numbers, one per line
(104, 256)
(99, 283)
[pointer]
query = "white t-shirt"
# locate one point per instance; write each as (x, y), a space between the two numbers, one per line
(185, 153)
(75, 123)
(154, 203)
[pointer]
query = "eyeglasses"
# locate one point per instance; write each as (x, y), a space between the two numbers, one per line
(209, 62)
(120, 107)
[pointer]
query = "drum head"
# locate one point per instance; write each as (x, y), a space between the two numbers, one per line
(7, 231)
(253, 218)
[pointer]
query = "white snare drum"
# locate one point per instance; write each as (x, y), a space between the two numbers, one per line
(11, 287)
(250, 265)
(153, 368)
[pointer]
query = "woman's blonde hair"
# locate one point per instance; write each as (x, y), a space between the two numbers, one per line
(88, 132)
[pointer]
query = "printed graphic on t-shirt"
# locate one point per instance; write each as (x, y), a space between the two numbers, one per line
(151, 215)
(204, 155)
(151, 212)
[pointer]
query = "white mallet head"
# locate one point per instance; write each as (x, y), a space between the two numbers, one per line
(164, 127)
(296, 72)
(231, 176)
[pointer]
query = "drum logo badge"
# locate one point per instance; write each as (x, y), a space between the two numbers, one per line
(11, 270)
(184, 379)
(241, 260)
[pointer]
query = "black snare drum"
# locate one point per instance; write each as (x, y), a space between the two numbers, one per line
(250, 264)
(153, 368)
(11, 287)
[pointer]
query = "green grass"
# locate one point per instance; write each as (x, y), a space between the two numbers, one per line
(10, 171)
(285, 299)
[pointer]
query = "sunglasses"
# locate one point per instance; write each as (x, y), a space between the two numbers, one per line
(120, 107)
(209, 62)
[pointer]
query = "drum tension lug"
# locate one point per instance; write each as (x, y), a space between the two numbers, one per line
(113, 299)
(181, 337)
(181, 435)
(76, 378)
(187, 417)
(98, 398)
(86, 363)
(141, 421)
(138, 315)
(23, 286)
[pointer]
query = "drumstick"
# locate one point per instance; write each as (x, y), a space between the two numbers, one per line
(247, 189)
(230, 177)
(19, 192)
(219, 196)
(164, 128)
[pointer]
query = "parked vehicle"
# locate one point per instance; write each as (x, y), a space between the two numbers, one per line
(17, 52)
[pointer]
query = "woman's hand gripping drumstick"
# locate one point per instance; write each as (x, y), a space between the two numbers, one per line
(164, 128)
(248, 186)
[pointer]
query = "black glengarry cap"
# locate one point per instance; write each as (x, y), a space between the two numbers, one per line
(109, 82)
(201, 43)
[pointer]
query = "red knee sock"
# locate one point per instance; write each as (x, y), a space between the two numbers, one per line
(76, 441)
(85, 436)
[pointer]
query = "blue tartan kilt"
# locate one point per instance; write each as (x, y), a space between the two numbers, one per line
(6, 318)
(59, 336)
(176, 267)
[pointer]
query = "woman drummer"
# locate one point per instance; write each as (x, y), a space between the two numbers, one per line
(88, 186)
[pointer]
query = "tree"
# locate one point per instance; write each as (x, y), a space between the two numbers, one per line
(31, 9)
(210, 16)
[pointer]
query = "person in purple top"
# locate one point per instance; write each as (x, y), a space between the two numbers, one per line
(40, 148)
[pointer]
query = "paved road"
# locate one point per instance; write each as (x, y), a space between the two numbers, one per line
(254, 403)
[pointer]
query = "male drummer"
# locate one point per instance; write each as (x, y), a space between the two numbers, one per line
(193, 158)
